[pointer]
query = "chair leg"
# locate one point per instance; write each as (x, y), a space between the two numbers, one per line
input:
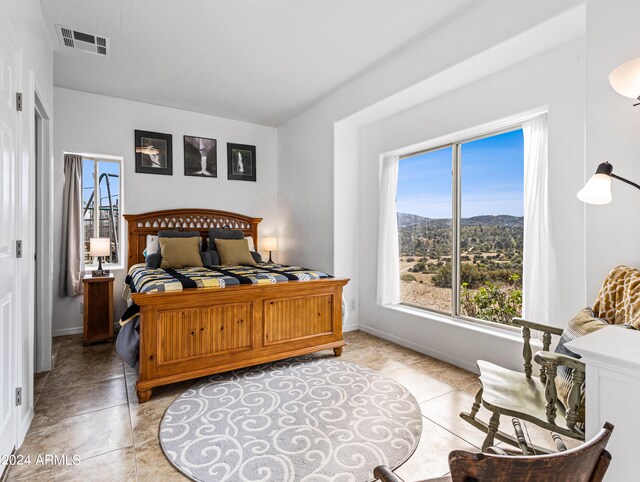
(494, 423)
(476, 404)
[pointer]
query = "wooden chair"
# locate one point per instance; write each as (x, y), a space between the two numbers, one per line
(525, 396)
(535, 399)
(586, 463)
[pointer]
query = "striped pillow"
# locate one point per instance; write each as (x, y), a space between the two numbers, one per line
(582, 324)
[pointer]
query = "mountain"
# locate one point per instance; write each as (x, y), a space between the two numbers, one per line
(406, 220)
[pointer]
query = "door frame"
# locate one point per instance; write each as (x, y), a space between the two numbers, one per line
(44, 211)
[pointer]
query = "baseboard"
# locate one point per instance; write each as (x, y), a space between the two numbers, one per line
(24, 427)
(66, 331)
(446, 357)
(350, 327)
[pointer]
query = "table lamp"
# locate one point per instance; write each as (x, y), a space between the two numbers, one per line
(270, 244)
(99, 247)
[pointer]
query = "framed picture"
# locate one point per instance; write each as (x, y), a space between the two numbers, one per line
(154, 153)
(200, 157)
(241, 162)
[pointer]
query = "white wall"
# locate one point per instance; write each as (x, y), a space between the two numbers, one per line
(306, 143)
(613, 134)
(27, 21)
(105, 125)
(555, 79)
(317, 182)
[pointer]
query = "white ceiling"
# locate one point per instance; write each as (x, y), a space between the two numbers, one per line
(262, 61)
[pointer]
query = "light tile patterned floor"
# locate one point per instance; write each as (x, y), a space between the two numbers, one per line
(87, 406)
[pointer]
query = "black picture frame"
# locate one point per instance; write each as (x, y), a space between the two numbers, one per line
(200, 156)
(241, 168)
(153, 163)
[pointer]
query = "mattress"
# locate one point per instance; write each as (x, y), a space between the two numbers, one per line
(146, 280)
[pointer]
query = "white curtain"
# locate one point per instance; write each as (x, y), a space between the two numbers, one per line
(388, 249)
(537, 242)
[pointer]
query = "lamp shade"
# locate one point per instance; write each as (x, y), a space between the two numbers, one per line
(625, 79)
(597, 190)
(99, 247)
(270, 244)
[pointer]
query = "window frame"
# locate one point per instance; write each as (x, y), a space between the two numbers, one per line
(97, 158)
(456, 215)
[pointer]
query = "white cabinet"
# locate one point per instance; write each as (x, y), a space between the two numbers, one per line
(612, 357)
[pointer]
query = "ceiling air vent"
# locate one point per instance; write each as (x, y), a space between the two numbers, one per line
(88, 42)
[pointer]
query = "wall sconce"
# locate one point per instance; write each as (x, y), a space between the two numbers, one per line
(625, 79)
(597, 190)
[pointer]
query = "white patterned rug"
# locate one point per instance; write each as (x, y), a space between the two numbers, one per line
(302, 419)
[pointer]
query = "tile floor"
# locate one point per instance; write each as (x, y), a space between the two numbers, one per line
(87, 406)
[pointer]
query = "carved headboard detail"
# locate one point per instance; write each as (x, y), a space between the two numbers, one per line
(140, 225)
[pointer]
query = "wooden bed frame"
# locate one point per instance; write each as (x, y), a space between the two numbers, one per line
(197, 332)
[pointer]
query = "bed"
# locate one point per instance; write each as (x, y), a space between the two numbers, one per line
(201, 331)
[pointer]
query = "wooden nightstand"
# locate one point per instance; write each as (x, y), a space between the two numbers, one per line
(98, 309)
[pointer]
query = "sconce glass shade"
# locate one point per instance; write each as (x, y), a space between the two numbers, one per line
(270, 244)
(625, 79)
(99, 247)
(597, 190)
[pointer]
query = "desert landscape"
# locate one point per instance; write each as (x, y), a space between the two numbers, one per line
(491, 265)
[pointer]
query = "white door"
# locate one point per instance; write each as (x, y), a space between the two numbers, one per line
(8, 156)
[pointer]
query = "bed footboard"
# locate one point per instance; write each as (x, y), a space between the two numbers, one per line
(194, 333)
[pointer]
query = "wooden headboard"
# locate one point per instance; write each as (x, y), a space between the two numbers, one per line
(140, 225)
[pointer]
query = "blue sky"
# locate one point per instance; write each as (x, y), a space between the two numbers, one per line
(87, 181)
(492, 179)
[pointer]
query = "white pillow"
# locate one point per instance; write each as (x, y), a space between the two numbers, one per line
(152, 244)
(252, 246)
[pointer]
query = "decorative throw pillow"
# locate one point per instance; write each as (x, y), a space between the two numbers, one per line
(180, 252)
(174, 233)
(217, 233)
(252, 245)
(257, 257)
(152, 252)
(582, 324)
(153, 260)
(152, 245)
(206, 258)
(234, 252)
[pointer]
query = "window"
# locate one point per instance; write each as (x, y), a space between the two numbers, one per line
(460, 227)
(101, 206)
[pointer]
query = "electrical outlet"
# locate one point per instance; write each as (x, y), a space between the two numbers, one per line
(353, 304)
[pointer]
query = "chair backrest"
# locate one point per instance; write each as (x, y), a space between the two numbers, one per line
(586, 463)
(618, 301)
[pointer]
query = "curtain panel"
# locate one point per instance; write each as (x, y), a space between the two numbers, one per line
(388, 247)
(537, 256)
(71, 263)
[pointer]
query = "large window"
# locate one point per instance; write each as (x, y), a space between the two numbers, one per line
(101, 206)
(460, 227)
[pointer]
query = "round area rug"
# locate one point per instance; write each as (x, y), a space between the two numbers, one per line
(302, 419)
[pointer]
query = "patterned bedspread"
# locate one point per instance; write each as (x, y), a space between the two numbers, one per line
(145, 280)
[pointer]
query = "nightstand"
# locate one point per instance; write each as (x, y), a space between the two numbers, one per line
(98, 309)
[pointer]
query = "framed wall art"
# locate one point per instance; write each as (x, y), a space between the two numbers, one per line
(241, 162)
(154, 153)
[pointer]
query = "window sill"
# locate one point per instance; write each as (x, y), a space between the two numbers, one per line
(501, 331)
